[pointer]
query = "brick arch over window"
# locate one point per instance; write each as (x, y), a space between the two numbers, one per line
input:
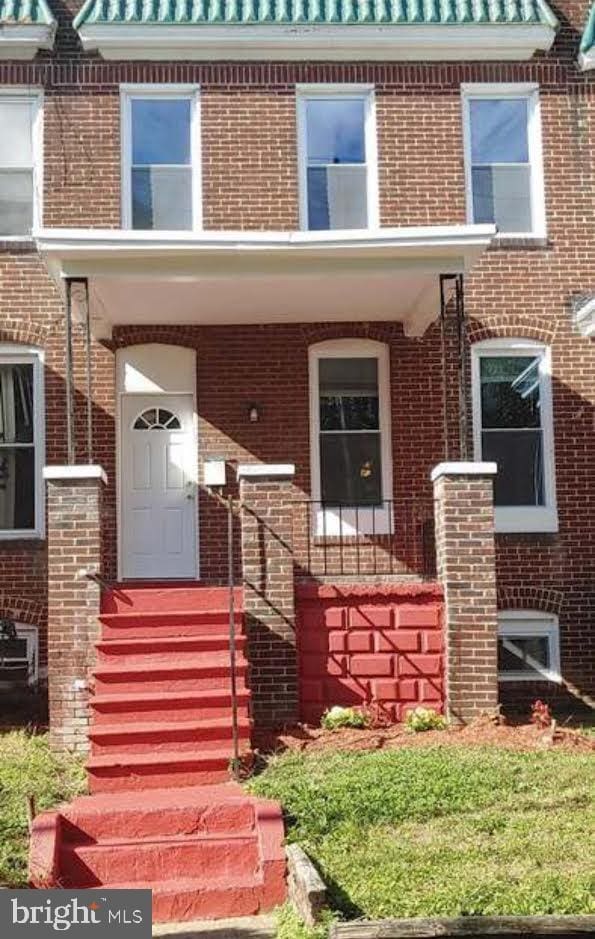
(513, 326)
(29, 334)
(524, 597)
(186, 336)
(381, 332)
(22, 610)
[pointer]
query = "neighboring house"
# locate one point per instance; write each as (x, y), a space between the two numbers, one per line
(335, 245)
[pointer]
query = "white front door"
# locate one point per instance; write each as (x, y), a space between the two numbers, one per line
(158, 521)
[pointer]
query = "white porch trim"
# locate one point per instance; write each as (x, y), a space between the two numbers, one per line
(23, 41)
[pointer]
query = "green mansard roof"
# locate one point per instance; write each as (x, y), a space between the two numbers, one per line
(25, 13)
(317, 12)
(588, 40)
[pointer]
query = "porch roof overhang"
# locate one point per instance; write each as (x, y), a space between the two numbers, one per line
(230, 277)
(25, 27)
(586, 55)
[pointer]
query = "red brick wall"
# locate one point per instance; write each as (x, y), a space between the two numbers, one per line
(249, 181)
(376, 645)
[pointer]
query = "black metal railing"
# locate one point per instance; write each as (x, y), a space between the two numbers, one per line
(394, 537)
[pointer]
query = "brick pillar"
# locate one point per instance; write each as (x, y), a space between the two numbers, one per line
(74, 511)
(267, 571)
(464, 509)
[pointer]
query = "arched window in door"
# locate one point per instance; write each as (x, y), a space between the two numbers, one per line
(157, 419)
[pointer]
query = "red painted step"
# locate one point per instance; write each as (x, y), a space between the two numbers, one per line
(146, 706)
(154, 597)
(151, 737)
(155, 770)
(154, 650)
(199, 673)
(156, 625)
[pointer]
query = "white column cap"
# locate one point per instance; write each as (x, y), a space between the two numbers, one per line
(77, 471)
(469, 468)
(256, 470)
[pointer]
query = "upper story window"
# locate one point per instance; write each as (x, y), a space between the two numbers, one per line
(160, 158)
(337, 158)
(513, 426)
(350, 436)
(21, 442)
(503, 158)
(20, 163)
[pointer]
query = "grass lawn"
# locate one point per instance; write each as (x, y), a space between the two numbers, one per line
(443, 831)
(28, 768)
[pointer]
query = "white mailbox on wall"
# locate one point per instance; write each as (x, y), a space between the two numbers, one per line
(214, 472)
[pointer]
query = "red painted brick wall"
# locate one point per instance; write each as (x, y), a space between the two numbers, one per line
(250, 181)
(376, 645)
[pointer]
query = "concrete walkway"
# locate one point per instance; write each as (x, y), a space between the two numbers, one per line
(248, 927)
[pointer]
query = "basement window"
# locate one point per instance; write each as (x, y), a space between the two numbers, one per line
(21, 443)
(528, 646)
(160, 158)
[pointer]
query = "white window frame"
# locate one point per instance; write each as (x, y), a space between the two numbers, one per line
(530, 624)
(31, 636)
(305, 93)
(14, 354)
(328, 521)
(36, 96)
(530, 91)
(520, 518)
(127, 94)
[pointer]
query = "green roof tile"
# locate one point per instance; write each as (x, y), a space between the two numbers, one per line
(313, 12)
(588, 40)
(25, 13)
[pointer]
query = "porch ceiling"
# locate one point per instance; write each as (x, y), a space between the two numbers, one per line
(230, 278)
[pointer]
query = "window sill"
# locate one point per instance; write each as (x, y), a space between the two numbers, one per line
(9, 537)
(525, 520)
(509, 242)
(523, 676)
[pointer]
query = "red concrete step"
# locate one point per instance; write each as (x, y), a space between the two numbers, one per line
(157, 649)
(202, 673)
(151, 737)
(176, 901)
(208, 809)
(156, 770)
(157, 625)
(223, 856)
(152, 596)
(164, 706)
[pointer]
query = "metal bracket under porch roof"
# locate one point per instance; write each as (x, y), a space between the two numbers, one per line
(227, 278)
(25, 27)
(387, 30)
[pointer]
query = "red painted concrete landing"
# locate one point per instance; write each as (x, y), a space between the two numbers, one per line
(163, 813)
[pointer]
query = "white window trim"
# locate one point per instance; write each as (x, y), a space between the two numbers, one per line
(35, 95)
(519, 518)
(304, 93)
(10, 354)
(127, 94)
(529, 624)
(530, 91)
(31, 636)
(328, 522)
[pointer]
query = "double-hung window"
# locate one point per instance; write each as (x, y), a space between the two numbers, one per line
(503, 158)
(21, 442)
(350, 436)
(160, 158)
(528, 646)
(337, 159)
(20, 163)
(513, 426)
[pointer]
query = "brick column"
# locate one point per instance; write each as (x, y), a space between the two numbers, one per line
(267, 570)
(74, 512)
(464, 509)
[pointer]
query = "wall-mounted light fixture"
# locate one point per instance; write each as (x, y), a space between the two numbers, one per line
(254, 413)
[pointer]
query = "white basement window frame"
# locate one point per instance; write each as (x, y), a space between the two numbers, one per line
(12, 354)
(515, 625)
(148, 92)
(528, 92)
(320, 92)
(542, 517)
(24, 105)
(327, 520)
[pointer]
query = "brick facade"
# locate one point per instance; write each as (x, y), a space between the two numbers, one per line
(466, 558)
(249, 175)
(74, 510)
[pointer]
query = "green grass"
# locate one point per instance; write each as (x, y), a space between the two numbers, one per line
(443, 831)
(27, 767)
